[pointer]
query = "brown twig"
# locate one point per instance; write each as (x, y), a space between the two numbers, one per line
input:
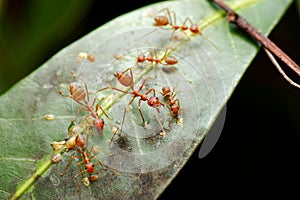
(234, 18)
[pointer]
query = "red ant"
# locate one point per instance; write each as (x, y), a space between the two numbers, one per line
(173, 104)
(161, 20)
(78, 143)
(81, 96)
(127, 80)
(164, 60)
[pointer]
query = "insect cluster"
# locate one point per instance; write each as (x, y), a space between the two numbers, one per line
(133, 85)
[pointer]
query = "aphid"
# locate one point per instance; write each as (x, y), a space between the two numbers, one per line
(127, 80)
(56, 158)
(81, 96)
(49, 117)
(154, 59)
(79, 145)
(56, 146)
(84, 55)
(172, 103)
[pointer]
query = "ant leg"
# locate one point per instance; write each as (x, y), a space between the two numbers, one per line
(78, 186)
(121, 130)
(81, 172)
(78, 111)
(172, 35)
(108, 167)
(163, 133)
(142, 85)
(103, 111)
(155, 63)
(188, 20)
(87, 128)
(101, 108)
(95, 149)
(195, 29)
(65, 95)
(76, 181)
(131, 76)
(101, 164)
(168, 12)
(69, 163)
(113, 170)
(174, 18)
(165, 54)
(125, 110)
(139, 107)
(115, 131)
(151, 90)
(108, 87)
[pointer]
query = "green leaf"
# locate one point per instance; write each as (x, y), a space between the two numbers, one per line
(203, 79)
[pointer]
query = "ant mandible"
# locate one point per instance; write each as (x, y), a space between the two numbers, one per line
(81, 96)
(153, 58)
(127, 80)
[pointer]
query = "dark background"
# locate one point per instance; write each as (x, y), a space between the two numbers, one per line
(258, 151)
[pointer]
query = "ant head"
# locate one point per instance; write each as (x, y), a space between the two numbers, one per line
(89, 167)
(166, 91)
(194, 29)
(140, 58)
(153, 101)
(99, 124)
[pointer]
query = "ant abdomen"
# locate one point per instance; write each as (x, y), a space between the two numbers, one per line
(77, 91)
(170, 60)
(123, 78)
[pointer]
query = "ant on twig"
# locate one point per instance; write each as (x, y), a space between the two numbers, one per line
(127, 80)
(81, 96)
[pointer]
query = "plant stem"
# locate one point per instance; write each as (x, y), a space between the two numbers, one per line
(32, 179)
(234, 18)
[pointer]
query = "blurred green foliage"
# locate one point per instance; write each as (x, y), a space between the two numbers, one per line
(30, 30)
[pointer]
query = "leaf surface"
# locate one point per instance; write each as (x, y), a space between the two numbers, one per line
(203, 79)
